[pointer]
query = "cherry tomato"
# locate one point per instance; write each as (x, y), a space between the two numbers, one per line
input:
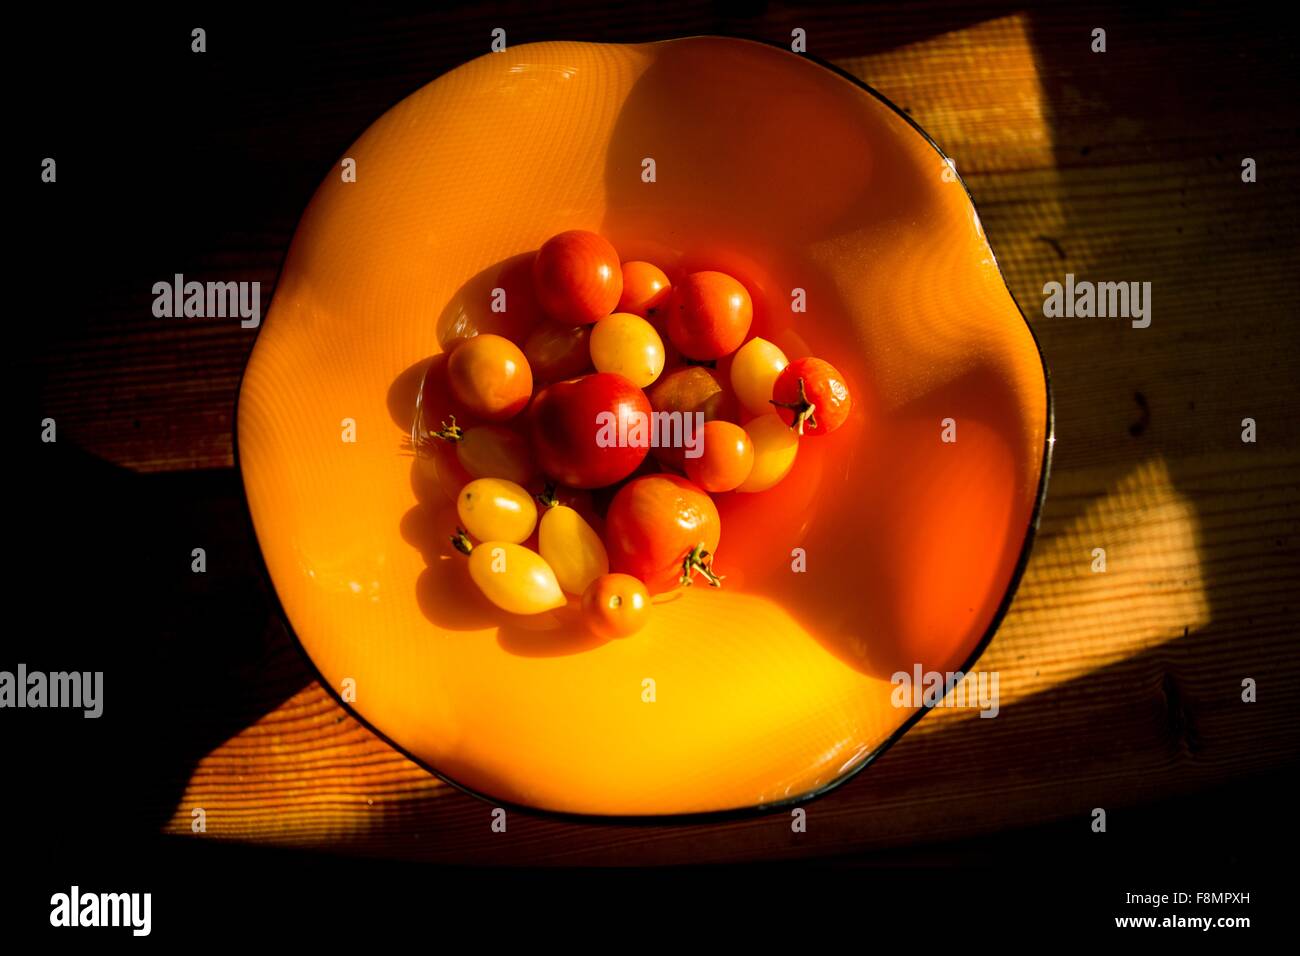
(811, 397)
(577, 277)
(753, 373)
(629, 345)
(510, 576)
(490, 451)
(578, 429)
(493, 509)
(726, 457)
(440, 463)
(646, 290)
(436, 401)
(709, 316)
(775, 448)
(615, 605)
(690, 389)
(571, 547)
(490, 376)
(556, 351)
(663, 530)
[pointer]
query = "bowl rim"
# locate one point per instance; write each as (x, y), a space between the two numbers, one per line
(733, 813)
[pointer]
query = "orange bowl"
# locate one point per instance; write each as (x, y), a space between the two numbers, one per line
(887, 547)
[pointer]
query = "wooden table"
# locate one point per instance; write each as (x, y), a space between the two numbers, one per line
(1117, 688)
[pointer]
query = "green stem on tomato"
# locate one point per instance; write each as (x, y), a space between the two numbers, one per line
(452, 432)
(547, 497)
(803, 410)
(699, 560)
(460, 541)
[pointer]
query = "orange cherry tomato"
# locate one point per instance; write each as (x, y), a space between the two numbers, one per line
(663, 530)
(646, 290)
(725, 459)
(490, 376)
(577, 277)
(437, 403)
(709, 316)
(615, 605)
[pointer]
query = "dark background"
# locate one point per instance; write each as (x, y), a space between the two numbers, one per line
(170, 162)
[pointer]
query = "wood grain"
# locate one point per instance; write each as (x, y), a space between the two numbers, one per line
(1117, 687)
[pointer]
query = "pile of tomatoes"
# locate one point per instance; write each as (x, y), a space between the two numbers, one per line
(550, 509)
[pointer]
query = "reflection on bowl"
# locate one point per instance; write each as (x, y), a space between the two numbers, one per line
(887, 547)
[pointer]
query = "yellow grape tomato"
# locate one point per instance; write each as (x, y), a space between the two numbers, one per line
(753, 373)
(572, 548)
(775, 447)
(495, 509)
(513, 578)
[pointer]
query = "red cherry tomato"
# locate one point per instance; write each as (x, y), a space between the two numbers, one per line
(490, 451)
(558, 351)
(726, 457)
(663, 530)
(441, 462)
(811, 397)
(690, 389)
(615, 605)
(709, 316)
(490, 376)
(577, 277)
(576, 427)
(646, 290)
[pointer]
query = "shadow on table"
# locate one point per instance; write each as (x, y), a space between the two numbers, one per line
(188, 659)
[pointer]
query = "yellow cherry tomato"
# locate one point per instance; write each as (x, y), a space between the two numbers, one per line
(775, 447)
(629, 345)
(512, 577)
(572, 549)
(495, 509)
(753, 373)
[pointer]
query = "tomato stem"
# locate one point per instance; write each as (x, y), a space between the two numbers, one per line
(803, 410)
(699, 560)
(460, 541)
(452, 432)
(547, 497)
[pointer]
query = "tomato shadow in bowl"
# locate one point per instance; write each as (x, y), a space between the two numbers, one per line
(498, 300)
